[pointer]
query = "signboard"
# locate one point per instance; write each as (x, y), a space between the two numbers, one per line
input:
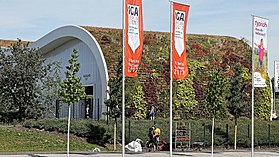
(179, 24)
(133, 36)
(260, 26)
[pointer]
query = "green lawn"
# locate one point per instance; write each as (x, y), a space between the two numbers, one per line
(16, 140)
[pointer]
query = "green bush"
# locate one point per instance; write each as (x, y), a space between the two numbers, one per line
(99, 132)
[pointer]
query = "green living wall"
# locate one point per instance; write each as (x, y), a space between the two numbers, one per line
(205, 53)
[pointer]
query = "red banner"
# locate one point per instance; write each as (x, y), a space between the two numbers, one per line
(179, 23)
(133, 36)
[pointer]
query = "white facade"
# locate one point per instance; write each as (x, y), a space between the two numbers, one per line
(58, 45)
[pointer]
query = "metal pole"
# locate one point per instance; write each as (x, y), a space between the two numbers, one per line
(123, 79)
(269, 135)
(274, 103)
(85, 108)
(107, 116)
(57, 109)
(253, 88)
(171, 14)
(190, 135)
(248, 135)
(129, 137)
(274, 85)
(227, 136)
(73, 110)
(98, 109)
(203, 135)
(68, 134)
(212, 138)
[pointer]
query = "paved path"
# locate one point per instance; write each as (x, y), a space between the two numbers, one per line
(160, 154)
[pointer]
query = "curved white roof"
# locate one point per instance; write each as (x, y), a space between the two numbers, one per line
(66, 33)
(59, 36)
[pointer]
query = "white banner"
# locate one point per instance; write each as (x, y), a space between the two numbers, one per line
(276, 75)
(179, 31)
(260, 26)
(133, 27)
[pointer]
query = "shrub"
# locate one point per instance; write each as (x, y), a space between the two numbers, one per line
(98, 132)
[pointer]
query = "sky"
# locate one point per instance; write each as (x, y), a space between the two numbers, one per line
(32, 19)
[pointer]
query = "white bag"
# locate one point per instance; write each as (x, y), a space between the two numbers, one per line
(134, 146)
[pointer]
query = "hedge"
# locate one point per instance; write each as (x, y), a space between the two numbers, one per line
(99, 132)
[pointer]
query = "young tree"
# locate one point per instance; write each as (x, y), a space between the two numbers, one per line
(215, 97)
(236, 97)
(115, 96)
(22, 75)
(71, 89)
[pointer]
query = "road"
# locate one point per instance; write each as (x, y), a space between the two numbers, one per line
(159, 154)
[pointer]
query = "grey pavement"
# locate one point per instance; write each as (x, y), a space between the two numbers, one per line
(153, 154)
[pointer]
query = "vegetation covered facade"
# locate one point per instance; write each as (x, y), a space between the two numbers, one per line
(205, 53)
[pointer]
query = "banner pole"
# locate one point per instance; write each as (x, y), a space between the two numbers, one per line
(171, 19)
(123, 78)
(274, 90)
(253, 88)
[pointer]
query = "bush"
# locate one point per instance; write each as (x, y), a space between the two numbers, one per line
(94, 133)
(98, 132)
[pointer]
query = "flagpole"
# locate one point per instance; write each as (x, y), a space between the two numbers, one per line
(123, 78)
(274, 90)
(274, 85)
(253, 88)
(171, 14)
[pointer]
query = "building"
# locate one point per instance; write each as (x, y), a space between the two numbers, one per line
(100, 48)
(58, 46)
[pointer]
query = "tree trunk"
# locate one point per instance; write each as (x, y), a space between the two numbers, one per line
(68, 136)
(114, 136)
(235, 132)
(212, 137)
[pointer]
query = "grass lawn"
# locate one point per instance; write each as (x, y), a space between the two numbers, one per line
(18, 139)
